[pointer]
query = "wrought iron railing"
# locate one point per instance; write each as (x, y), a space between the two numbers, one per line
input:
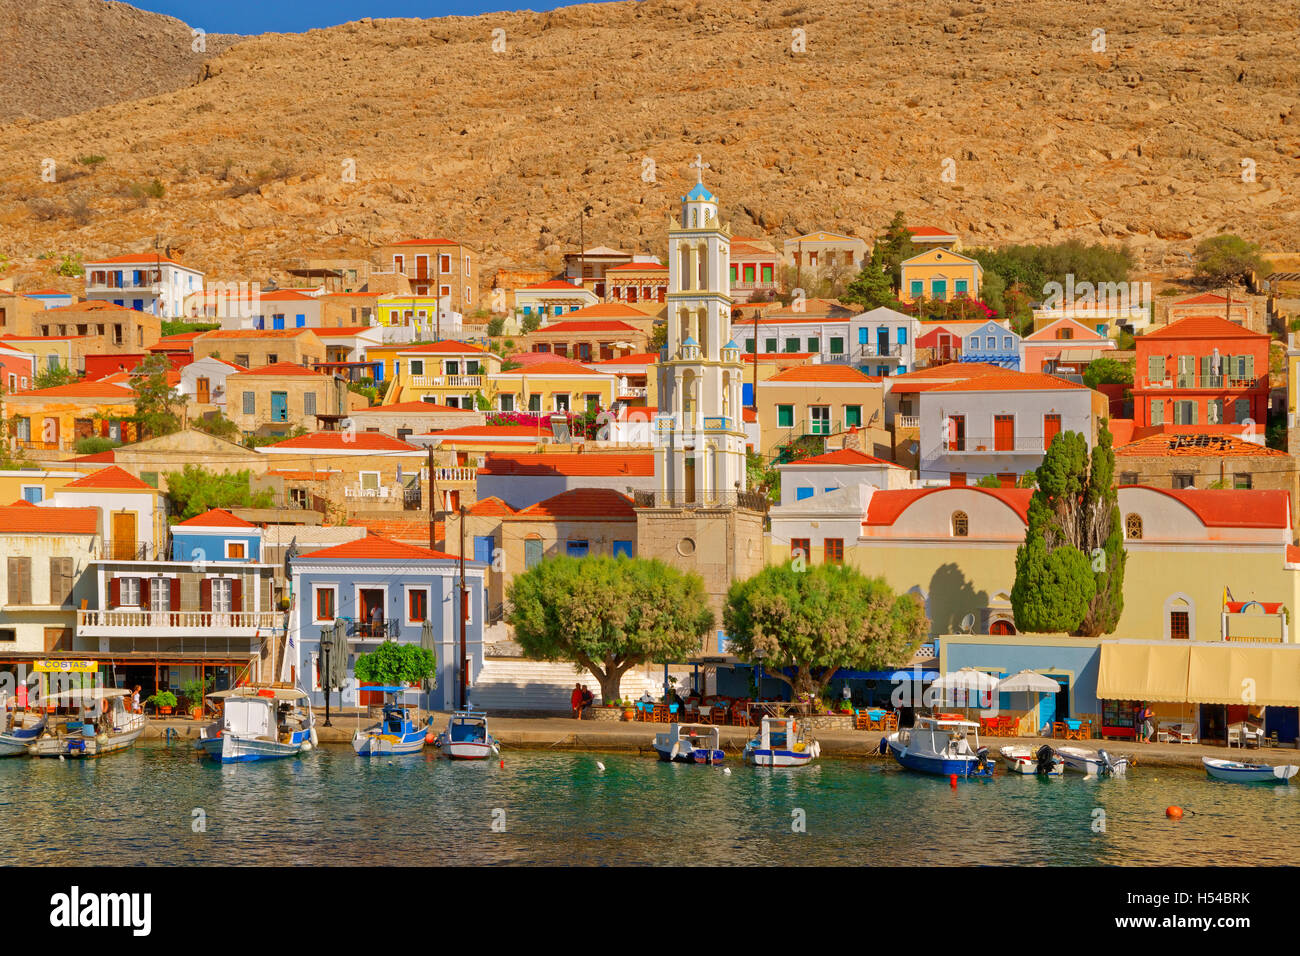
(720, 499)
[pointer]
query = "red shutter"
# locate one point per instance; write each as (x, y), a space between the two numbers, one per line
(957, 479)
(114, 593)
(1004, 433)
(237, 595)
(205, 594)
(175, 584)
(1051, 428)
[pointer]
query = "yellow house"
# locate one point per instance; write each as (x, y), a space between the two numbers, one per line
(53, 419)
(33, 485)
(445, 373)
(819, 401)
(544, 387)
(940, 275)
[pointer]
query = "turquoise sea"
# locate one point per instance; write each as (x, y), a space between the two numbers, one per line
(159, 804)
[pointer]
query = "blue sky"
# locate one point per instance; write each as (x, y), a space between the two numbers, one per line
(294, 16)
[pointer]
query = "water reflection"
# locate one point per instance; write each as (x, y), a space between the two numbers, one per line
(559, 808)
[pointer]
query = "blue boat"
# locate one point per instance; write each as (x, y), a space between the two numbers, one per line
(940, 745)
(397, 731)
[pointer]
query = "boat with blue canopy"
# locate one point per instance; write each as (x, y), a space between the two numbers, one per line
(941, 745)
(398, 732)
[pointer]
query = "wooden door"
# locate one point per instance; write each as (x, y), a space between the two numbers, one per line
(1004, 432)
(203, 390)
(124, 536)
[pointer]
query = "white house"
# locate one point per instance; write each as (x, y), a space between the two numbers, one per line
(846, 468)
(131, 516)
(999, 424)
(147, 283)
(884, 341)
(203, 382)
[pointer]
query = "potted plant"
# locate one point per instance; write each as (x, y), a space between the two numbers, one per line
(629, 710)
(194, 691)
(163, 701)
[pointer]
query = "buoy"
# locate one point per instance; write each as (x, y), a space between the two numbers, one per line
(600, 766)
(503, 763)
(952, 780)
(1174, 813)
(726, 771)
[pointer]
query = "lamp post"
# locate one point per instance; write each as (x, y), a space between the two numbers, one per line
(326, 647)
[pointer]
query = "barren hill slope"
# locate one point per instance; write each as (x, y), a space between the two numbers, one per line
(1042, 137)
(60, 57)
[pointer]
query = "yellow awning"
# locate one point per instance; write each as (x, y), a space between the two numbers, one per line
(1245, 674)
(1143, 671)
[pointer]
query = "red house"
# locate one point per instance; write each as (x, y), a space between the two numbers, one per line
(1201, 371)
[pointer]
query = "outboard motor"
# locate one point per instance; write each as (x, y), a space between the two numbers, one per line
(1108, 765)
(1046, 758)
(982, 761)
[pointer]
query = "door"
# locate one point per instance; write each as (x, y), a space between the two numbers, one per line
(820, 418)
(1051, 428)
(690, 480)
(370, 616)
(279, 406)
(203, 391)
(1004, 432)
(882, 341)
(124, 536)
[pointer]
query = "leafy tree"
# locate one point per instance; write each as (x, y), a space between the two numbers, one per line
(70, 266)
(608, 614)
(392, 664)
(257, 441)
(495, 326)
(759, 473)
(217, 425)
(196, 490)
(1032, 267)
(659, 336)
(156, 402)
(53, 375)
(817, 620)
(871, 289)
(530, 322)
(1227, 258)
(891, 248)
(1108, 371)
(1070, 570)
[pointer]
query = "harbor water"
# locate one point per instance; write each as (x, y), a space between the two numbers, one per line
(159, 804)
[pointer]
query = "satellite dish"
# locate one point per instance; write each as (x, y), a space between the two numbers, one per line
(967, 623)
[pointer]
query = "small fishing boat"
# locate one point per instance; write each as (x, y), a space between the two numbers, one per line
(104, 726)
(690, 743)
(1043, 762)
(940, 745)
(1236, 772)
(396, 732)
(467, 737)
(781, 742)
(19, 728)
(259, 723)
(1094, 763)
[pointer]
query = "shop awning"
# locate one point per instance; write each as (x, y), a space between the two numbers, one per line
(1140, 671)
(1200, 673)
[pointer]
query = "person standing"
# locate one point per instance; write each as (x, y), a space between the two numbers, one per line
(135, 700)
(575, 700)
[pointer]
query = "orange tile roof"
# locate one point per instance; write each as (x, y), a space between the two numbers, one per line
(80, 390)
(344, 441)
(529, 359)
(1007, 380)
(949, 371)
(1202, 327)
(113, 478)
(285, 295)
(553, 284)
(375, 547)
(796, 357)
(99, 458)
(845, 374)
(277, 370)
(25, 518)
(408, 530)
(602, 310)
(216, 518)
(183, 341)
(886, 506)
(844, 456)
(1205, 298)
(597, 503)
(568, 463)
(445, 347)
(486, 433)
(1192, 445)
(636, 358)
(638, 265)
(492, 507)
(930, 232)
(349, 331)
(566, 327)
(552, 367)
(1048, 334)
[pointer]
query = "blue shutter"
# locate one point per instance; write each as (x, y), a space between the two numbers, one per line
(801, 493)
(862, 336)
(576, 549)
(747, 394)
(484, 545)
(300, 320)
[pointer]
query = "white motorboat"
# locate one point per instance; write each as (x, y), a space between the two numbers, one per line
(467, 737)
(104, 726)
(1235, 771)
(1044, 761)
(1094, 763)
(397, 731)
(259, 723)
(941, 745)
(690, 743)
(781, 742)
(19, 728)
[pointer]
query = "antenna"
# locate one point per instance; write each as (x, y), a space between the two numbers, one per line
(967, 623)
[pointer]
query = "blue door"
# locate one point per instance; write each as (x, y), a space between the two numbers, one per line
(279, 406)
(1047, 710)
(483, 548)
(747, 394)
(277, 322)
(299, 321)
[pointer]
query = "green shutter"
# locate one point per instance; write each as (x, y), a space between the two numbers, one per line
(785, 416)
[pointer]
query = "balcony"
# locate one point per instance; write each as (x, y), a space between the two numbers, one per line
(1019, 445)
(138, 622)
(129, 549)
(393, 495)
(384, 630)
(1200, 381)
(873, 350)
(751, 500)
(442, 475)
(446, 381)
(907, 421)
(633, 391)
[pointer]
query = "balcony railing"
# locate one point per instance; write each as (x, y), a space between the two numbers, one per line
(1253, 639)
(872, 350)
(633, 391)
(907, 421)
(372, 630)
(446, 381)
(1020, 444)
(142, 621)
(455, 474)
(1199, 381)
(124, 549)
(722, 499)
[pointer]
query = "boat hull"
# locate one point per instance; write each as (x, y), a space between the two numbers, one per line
(229, 748)
(1091, 764)
(766, 757)
(74, 747)
(938, 766)
(467, 750)
(696, 755)
(1026, 763)
(1234, 772)
(386, 745)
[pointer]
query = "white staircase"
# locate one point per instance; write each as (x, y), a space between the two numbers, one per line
(515, 684)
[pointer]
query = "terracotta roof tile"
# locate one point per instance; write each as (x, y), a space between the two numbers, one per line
(1202, 327)
(81, 390)
(567, 327)
(492, 507)
(19, 518)
(1008, 381)
(599, 503)
(216, 518)
(255, 333)
(277, 370)
(410, 407)
(1197, 445)
(1232, 508)
(844, 456)
(113, 478)
(445, 347)
(823, 373)
(379, 548)
(567, 463)
(343, 441)
(886, 506)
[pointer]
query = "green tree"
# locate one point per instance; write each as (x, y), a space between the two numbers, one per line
(658, 336)
(1227, 258)
(392, 664)
(196, 490)
(156, 402)
(1070, 570)
(181, 327)
(760, 473)
(495, 326)
(608, 614)
(891, 249)
(217, 425)
(1108, 371)
(871, 289)
(53, 375)
(817, 620)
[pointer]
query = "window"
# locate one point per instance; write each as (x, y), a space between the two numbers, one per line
(20, 581)
(417, 605)
(1241, 410)
(1179, 625)
(814, 345)
(792, 345)
(534, 403)
(852, 416)
(837, 346)
(128, 592)
(1241, 482)
(160, 593)
(60, 581)
(1155, 368)
(1128, 477)
(622, 549)
(309, 403)
(917, 288)
(239, 360)
(577, 548)
(561, 403)
(1214, 411)
(785, 416)
(272, 358)
(957, 433)
(417, 366)
(1158, 412)
(769, 345)
(960, 524)
(803, 493)
(959, 286)
(223, 594)
(250, 403)
(236, 550)
(506, 403)
(369, 480)
(957, 479)
(1004, 432)
(1184, 479)
(33, 493)
(1133, 526)
(799, 548)
(532, 552)
(833, 551)
(901, 336)
(1065, 333)
(1006, 343)
(325, 603)
(1185, 413)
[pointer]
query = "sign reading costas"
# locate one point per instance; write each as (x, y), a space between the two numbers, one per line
(65, 667)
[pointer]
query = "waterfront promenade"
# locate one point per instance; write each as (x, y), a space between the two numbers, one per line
(564, 733)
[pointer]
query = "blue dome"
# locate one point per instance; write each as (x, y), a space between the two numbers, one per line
(690, 340)
(698, 191)
(732, 345)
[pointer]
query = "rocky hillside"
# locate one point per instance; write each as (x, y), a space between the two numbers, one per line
(60, 57)
(999, 120)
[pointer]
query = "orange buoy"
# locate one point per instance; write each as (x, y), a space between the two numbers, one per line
(503, 763)
(1174, 813)
(952, 780)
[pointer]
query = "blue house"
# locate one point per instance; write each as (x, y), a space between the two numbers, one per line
(384, 590)
(216, 535)
(993, 345)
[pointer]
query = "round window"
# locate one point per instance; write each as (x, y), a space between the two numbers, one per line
(686, 547)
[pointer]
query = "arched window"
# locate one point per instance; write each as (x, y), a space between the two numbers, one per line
(1133, 526)
(960, 524)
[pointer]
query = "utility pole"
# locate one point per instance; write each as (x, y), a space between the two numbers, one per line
(464, 604)
(433, 506)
